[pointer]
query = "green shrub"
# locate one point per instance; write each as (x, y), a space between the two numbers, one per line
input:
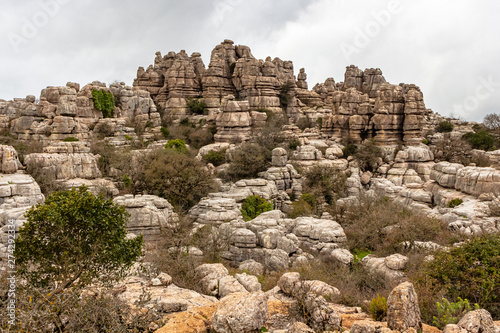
(247, 161)
(425, 142)
(128, 137)
(480, 140)
(325, 183)
(349, 150)
(253, 206)
(196, 105)
(70, 139)
(186, 122)
(444, 127)
(294, 144)
(368, 156)
(104, 102)
(175, 176)
(216, 157)
(319, 122)
(165, 132)
(451, 313)
(177, 145)
(365, 225)
(285, 94)
(454, 202)
(470, 271)
(127, 181)
(91, 230)
(378, 308)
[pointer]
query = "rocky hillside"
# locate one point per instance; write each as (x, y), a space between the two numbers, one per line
(319, 200)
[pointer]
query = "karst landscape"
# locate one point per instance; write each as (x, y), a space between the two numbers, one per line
(253, 202)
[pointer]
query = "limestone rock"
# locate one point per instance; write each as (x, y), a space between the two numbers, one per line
(215, 211)
(149, 215)
(210, 276)
(403, 312)
(279, 157)
(379, 266)
(444, 173)
(477, 321)
(476, 181)
(9, 160)
(250, 282)
(65, 166)
(228, 285)
(240, 312)
(252, 267)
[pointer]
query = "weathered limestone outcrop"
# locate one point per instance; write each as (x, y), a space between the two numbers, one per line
(9, 162)
(149, 215)
(275, 241)
(391, 267)
(18, 193)
(240, 312)
(403, 312)
(69, 111)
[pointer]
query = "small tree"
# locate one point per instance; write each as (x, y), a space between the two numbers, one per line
(492, 121)
(74, 239)
(253, 206)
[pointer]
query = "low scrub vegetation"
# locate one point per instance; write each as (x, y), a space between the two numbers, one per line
(253, 206)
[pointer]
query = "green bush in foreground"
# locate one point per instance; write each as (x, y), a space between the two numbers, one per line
(178, 145)
(253, 206)
(451, 313)
(215, 157)
(73, 239)
(471, 271)
(378, 308)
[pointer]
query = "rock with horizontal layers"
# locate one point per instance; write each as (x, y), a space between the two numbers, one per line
(379, 266)
(477, 181)
(149, 215)
(65, 166)
(240, 312)
(403, 312)
(215, 211)
(445, 173)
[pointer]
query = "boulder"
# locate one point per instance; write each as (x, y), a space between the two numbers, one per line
(477, 321)
(403, 311)
(240, 312)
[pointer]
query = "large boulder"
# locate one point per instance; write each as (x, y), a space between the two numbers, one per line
(240, 312)
(403, 312)
(9, 163)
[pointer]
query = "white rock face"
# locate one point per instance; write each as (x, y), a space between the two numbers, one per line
(9, 162)
(65, 166)
(215, 211)
(18, 193)
(210, 276)
(379, 266)
(240, 312)
(477, 181)
(445, 173)
(149, 215)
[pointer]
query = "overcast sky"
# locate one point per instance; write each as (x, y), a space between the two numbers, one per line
(450, 48)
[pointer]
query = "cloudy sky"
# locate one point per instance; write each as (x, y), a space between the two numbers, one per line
(449, 48)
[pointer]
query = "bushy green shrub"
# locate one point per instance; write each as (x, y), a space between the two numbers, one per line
(70, 139)
(451, 313)
(454, 202)
(165, 132)
(425, 142)
(253, 206)
(349, 150)
(175, 176)
(378, 308)
(215, 157)
(128, 137)
(104, 102)
(285, 95)
(444, 127)
(480, 140)
(325, 183)
(307, 205)
(92, 233)
(177, 145)
(247, 161)
(292, 145)
(470, 271)
(196, 105)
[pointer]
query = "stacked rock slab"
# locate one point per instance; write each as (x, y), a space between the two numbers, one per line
(366, 106)
(149, 215)
(69, 111)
